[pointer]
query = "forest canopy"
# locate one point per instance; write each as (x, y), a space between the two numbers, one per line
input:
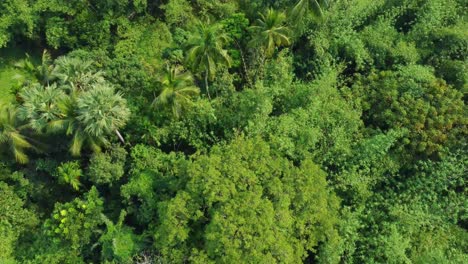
(234, 131)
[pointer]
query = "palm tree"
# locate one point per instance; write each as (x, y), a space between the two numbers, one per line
(270, 31)
(76, 73)
(11, 135)
(41, 105)
(177, 90)
(205, 51)
(69, 124)
(101, 111)
(43, 73)
(90, 116)
(305, 6)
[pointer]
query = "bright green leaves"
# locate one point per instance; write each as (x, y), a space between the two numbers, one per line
(74, 223)
(206, 53)
(14, 220)
(177, 90)
(119, 243)
(17, 17)
(290, 209)
(318, 120)
(270, 32)
(69, 173)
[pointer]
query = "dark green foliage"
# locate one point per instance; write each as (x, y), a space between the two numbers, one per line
(17, 17)
(413, 99)
(107, 168)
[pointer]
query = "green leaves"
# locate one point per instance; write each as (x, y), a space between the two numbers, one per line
(73, 223)
(205, 51)
(177, 90)
(289, 208)
(412, 98)
(101, 111)
(119, 243)
(316, 7)
(107, 168)
(12, 138)
(41, 105)
(15, 219)
(69, 173)
(270, 32)
(17, 17)
(79, 103)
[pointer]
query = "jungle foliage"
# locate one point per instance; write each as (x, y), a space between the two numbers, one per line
(240, 131)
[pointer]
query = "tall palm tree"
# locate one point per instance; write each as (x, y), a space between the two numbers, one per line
(11, 134)
(41, 105)
(177, 90)
(305, 6)
(270, 31)
(205, 51)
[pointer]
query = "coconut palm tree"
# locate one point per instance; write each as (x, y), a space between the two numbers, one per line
(11, 134)
(205, 51)
(177, 90)
(270, 31)
(305, 6)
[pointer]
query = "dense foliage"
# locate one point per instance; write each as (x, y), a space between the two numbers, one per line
(239, 131)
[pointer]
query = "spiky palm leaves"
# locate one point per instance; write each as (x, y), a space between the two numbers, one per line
(205, 51)
(79, 103)
(270, 31)
(42, 73)
(305, 6)
(76, 73)
(177, 90)
(89, 117)
(11, 135)
(101, 111)
(41, 105)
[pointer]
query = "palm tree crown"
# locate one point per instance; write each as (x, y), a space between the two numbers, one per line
(41, 105)
(101, 111)
(271, 31)
(205, 51)
(76, 73)
(177, 90)
(315, 6)
(42, 73)
(91, 116)
(10, 134)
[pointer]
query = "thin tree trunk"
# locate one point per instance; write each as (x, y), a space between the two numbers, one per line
(247, 77)
(119, 136)
(206, 85)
